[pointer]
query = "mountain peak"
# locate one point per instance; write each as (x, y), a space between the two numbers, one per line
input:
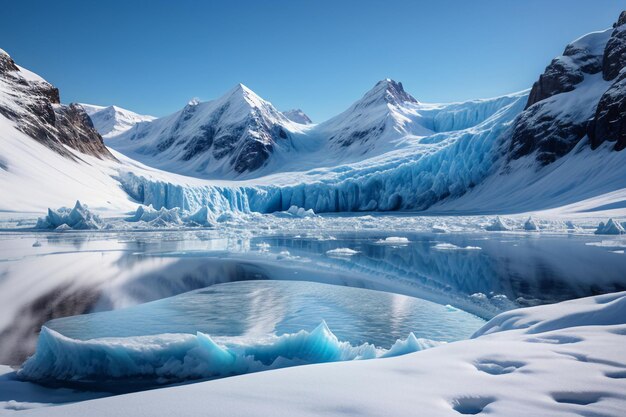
(389, 91)
(298, 116)
(239, 92)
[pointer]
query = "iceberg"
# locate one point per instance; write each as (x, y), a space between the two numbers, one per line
(167, 358)
(300, 212)
(174, 217)
(530, 225)
(497, 225)
(610, 228)
(77, 218)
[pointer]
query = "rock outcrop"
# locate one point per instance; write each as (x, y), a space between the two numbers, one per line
(34, 106)
(581, 93)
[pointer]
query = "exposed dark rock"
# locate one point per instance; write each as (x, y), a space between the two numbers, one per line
(609, 123)
(201, 143)
(253, 156)
(34, 105)
(7, 64)
(565, 72)
(548, 136)
(548, 127)
(615, 52)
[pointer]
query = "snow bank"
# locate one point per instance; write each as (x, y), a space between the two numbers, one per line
(610, 228)
(77, 218)
(176, 357)
(601, 310)
(575, 370)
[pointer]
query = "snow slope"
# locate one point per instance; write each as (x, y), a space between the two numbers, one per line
(559, 360)
(112, 120)
(34, 177)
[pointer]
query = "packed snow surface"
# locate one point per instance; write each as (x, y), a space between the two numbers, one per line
(558, 360)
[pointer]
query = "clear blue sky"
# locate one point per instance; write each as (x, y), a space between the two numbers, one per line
(154, 56)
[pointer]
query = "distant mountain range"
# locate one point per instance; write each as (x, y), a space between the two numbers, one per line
(112, 120)
(559, 143)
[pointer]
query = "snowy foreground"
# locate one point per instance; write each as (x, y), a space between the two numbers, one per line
(563, 359)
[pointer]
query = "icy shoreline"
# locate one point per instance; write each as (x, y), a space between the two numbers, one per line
(562, 359)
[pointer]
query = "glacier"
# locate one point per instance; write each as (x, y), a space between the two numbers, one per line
(439, 166)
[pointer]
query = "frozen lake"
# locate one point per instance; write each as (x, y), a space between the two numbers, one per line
(257, 309)
(47, 275)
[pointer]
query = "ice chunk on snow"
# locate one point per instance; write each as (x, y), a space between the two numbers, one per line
(439, 229)
(498, 225)
(610, 228)
(531, 225)
(202, 217)
(393, 240)
(341, 252)
(300, 212)
(36, 244)
(450, 246)
(409, 345)
(77, 218)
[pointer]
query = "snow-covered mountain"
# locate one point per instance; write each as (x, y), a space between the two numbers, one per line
(297, 116)
(559, 144)
(565, 146)
(235, 133)
(580, 95)
(242, 136)
(112, 120)
(386, 110)
(34, 108)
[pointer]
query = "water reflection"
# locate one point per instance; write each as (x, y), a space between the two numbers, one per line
(75, 273)
(247, 312)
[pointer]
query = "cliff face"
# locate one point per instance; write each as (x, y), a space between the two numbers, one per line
(34, 106)
(581, 93)
(609, 122)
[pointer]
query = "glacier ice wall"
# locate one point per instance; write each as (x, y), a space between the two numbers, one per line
(443, 165)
